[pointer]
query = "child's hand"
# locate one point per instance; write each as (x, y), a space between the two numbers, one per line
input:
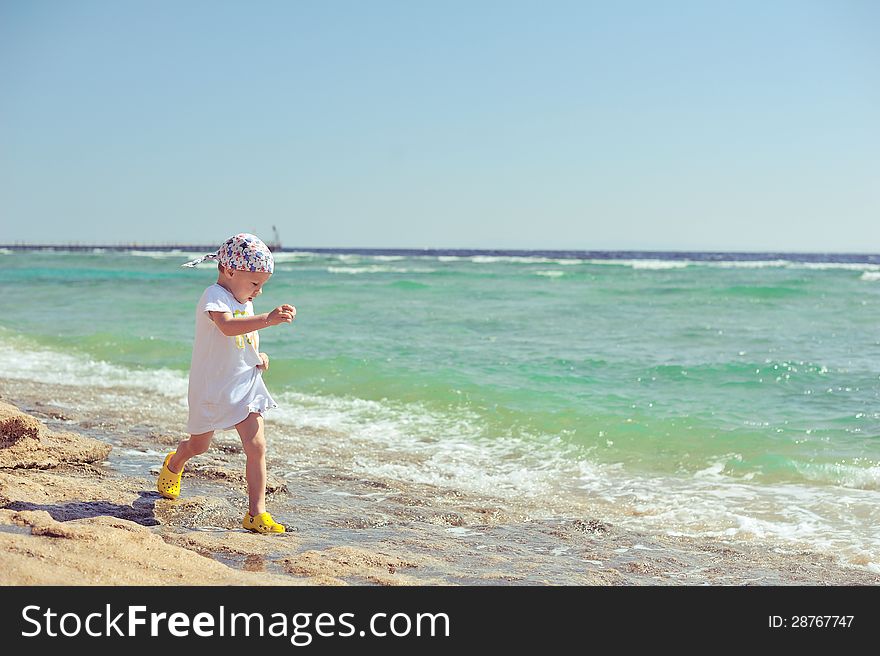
(265, 365)
(282, 314)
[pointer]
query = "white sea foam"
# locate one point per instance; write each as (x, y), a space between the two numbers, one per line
(665, 264)
(863, 478)
(843, 266)
(297, 256)
(516, 259)
(868, 270)
(19, 363)
(738, 264)
(550, 273)
(450, 451)
(6, 251)
(829, 518)
(377, 268)
(509, 259)
(642, 264)
(714, 471)
(412, 443)
(746, 264)
(161, 255)
(659, 264)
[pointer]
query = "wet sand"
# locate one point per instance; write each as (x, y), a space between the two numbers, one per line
(78, 506)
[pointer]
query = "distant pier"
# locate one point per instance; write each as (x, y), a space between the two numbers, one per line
(76, 246)
(209, 248)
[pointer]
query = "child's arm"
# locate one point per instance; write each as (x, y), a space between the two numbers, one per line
(234, 326)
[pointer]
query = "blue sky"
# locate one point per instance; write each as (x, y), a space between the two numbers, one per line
(577, 125)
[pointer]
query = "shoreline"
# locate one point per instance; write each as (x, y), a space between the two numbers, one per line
(91, 516)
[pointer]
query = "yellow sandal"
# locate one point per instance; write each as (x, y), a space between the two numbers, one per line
(169, 482)
(262, 523)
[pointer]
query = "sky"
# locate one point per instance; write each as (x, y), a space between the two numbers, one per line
(726, 126)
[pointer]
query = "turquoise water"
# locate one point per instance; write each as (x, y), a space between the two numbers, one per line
(752, 382)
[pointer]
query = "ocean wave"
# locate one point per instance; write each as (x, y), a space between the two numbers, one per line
(377, 268)
(746, 264)
(871, 276)
(510, 259)
(739, 264)
(162, 254)
(314, 256)
(408, 441)
(712, 503)
(452, 448)
(835, 474)
(550, 274)
(832, 266)
(661, 264)
(506, 259)
(50, 366)
(297, 256)
(846, 475)
(658, 264)
(644, 264)
(639, 262)
(455, 449)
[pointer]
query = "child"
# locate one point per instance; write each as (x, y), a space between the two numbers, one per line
(226, 387)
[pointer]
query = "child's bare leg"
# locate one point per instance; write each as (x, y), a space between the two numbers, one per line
(195, 445)
(254, 442)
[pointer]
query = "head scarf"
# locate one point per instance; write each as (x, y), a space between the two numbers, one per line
(244, 252)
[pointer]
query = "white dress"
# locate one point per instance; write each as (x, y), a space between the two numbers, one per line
(224, 382)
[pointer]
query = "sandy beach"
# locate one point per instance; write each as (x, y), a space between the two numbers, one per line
(78, 506)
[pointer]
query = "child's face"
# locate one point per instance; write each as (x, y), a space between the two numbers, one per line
(244, 285)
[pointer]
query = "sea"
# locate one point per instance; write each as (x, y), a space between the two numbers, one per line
(732, 395)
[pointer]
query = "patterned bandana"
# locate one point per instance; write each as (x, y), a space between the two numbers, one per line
(244, 252)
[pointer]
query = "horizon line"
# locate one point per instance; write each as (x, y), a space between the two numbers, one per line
(78, 246)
